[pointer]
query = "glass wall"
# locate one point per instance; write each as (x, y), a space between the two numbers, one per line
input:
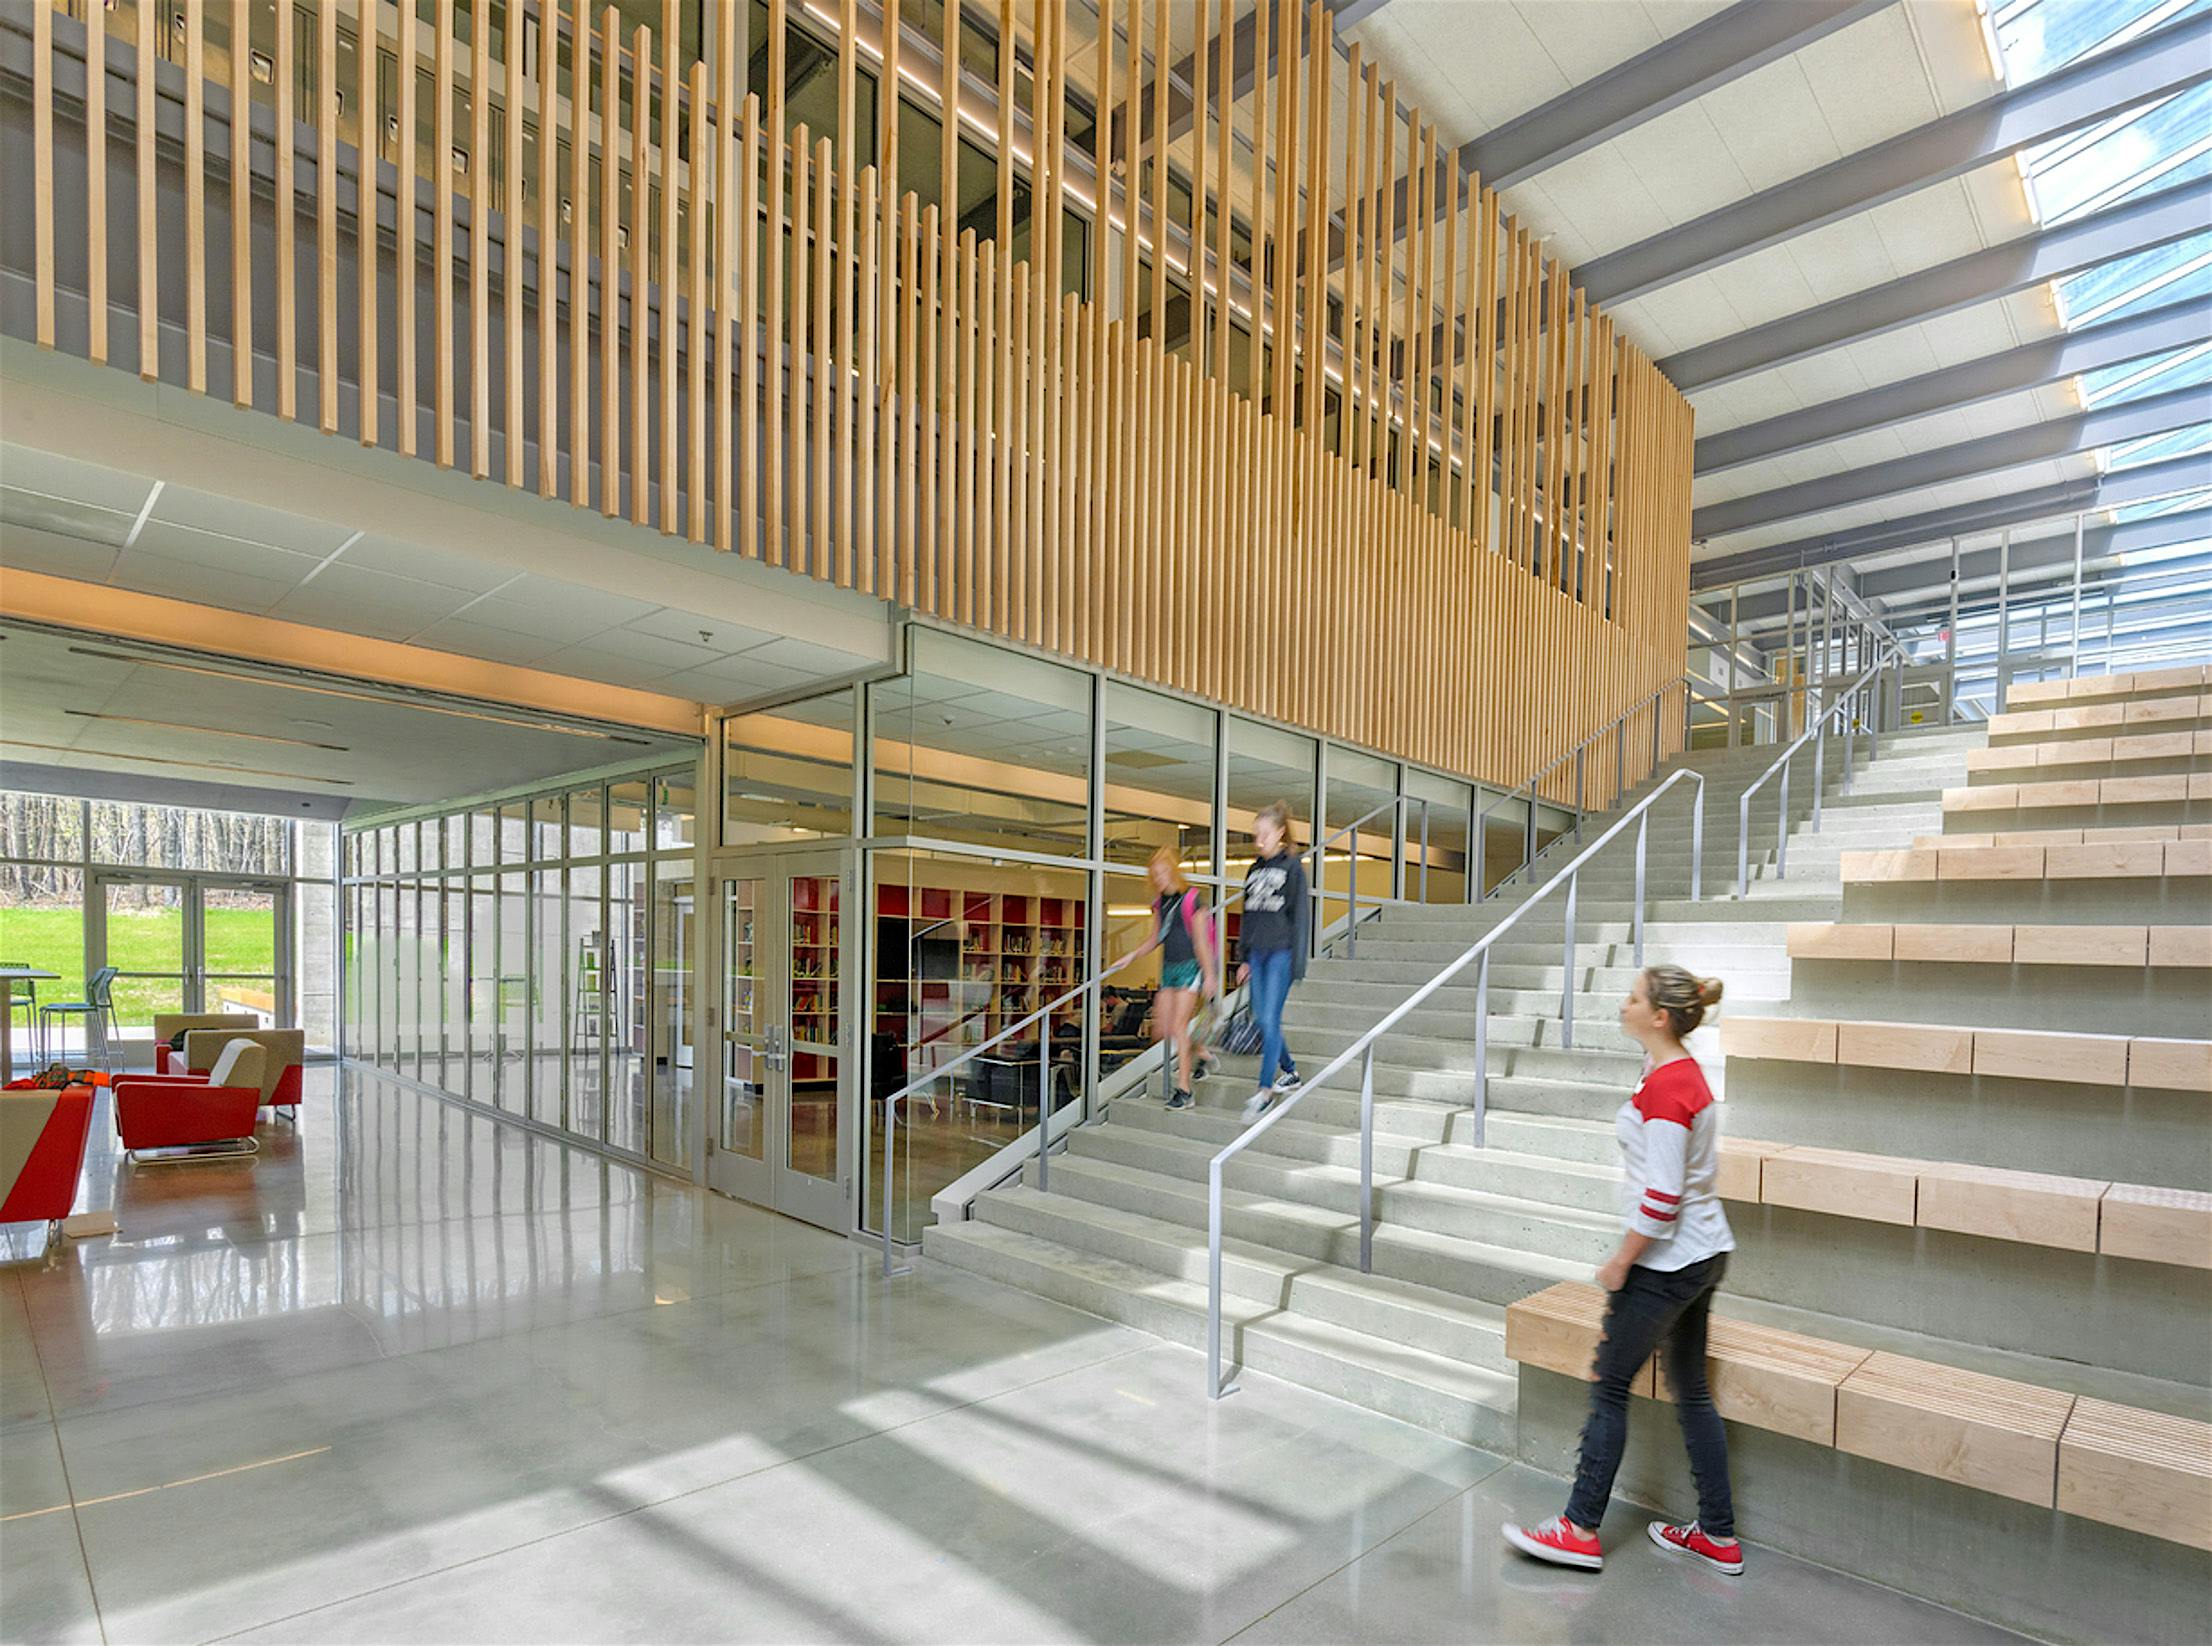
(536, 956)
(198, 910)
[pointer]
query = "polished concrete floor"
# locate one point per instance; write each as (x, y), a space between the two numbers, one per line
(416, 1375)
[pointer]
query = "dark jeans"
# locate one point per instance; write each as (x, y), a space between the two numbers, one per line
(1270, 989)
(1657, 1306)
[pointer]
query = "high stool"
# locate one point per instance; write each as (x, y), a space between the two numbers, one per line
(97, 1008)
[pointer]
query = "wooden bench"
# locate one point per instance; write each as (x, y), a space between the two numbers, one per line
(2115, 835)
(2057, 758)
(2077, 794)
(2074, 1214)
(2032, 1054)
(2117, 1465)
(2015, 860)
(2166, 713)
(2145, 683)
(2162, 947)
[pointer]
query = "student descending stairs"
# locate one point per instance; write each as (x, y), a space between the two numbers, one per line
(1968, 1159)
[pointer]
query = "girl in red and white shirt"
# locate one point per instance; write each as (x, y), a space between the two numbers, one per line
(1661, 1281)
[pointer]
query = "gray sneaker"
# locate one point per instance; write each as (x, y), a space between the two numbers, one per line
(1178, 1100)
(1258, 1104)
(1289, 1080)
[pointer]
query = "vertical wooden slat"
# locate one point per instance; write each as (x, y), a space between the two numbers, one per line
(951, 322)
(737, 456)
(639, 471)
(481, 195)
(1442, 357)
(1472, 486)
(326, 214)
(799, 348)
(1262, 67)
(545, 92)
(443, 368)
(1288, 52)
(822, 524)
(406, 266)
(702, 151)
(287, 211)
(579, 256)
(96, 171)
(241, 213)
(511, 220)
(1225, 79)
(1359, 259)
(856, 521)
(149, 240)
(1160, 48)
(1314, 275)
(42, 166)
(1486, 371)
(611, 262)
(914, 441)
(931, 420)
(1201, 120)
(195, 186)
(1132, 106)
(1102, 151)
(846, 197)
(664, 301)
(369, 136)
(1420, 285)
(782, 385)
(970, 316)
(1380, 376)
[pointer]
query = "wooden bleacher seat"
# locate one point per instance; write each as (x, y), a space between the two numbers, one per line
(2157, 1225)
(2148, 1471)
(1740, 1160)
(1842, 1183)
(2184, 947)
(1990, 1433)
(2034, 1054)
(2198, 833)
(2034, 1208)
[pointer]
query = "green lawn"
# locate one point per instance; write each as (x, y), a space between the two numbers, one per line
(238, 941)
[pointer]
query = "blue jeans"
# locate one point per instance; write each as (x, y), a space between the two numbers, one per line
(1655, 1306)
(1270, 987)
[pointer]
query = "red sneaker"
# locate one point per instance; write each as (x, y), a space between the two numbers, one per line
(1726, 1558)
(1557, 1543)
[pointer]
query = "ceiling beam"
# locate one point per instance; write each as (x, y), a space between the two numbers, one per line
(2117, 489)
(1680, 69)
(2033, 365)
(2160, 63)
(1979, 277)
(2152, 415)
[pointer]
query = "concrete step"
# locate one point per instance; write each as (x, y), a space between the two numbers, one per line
(1518, 990)
(1441, 1112)
(1440, 1393)
(1468, 1268)
(1496, 1169)
(1756, 971)
(1600, 1056)
(1487, 1217)
(1466, 1329)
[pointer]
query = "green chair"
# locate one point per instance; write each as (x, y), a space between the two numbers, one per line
(97, 1008)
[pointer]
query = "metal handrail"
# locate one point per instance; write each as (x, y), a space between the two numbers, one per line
(1529, 853)
(1364, 1046)
(1815, 733)
(1089, 985)
(1395, 805)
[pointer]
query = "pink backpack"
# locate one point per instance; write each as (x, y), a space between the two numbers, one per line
(1200, 918)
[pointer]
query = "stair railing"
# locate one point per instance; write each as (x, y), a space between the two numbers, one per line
(1579, 754)
(1089, 987)
(1845, 703)
(1399, 833)
(1364, 1047)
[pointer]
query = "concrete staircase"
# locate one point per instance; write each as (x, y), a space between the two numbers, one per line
(1460, 1231)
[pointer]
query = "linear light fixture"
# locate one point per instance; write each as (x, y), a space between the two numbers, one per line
(165, 760)
(208, 731)
(359, 697)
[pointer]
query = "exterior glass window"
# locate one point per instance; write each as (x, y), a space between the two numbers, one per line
(1438, 818)
(1266, 764)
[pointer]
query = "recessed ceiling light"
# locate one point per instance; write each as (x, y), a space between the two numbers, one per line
(162, 760)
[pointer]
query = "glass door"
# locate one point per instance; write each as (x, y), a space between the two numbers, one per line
(192, 943)
(780, 1133)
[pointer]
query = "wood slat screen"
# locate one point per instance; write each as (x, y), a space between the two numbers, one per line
(1439, 506)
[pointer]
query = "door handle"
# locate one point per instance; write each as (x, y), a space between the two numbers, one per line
(775, 1055)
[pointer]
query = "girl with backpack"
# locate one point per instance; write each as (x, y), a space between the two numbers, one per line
(1272, 945)
(1182, 930)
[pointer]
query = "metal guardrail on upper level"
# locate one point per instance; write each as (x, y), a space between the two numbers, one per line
(1364, 1046)
(1844, 703)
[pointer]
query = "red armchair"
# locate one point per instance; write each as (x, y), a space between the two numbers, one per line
(281, 1072)
(169, 1025)
(193, 1117)
(42, 1143)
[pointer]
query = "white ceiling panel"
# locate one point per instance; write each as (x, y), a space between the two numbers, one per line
(391, 608)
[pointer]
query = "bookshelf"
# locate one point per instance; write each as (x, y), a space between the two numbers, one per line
(957, 966)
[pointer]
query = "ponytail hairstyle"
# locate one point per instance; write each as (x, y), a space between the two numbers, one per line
(1682, 995)
(1276, 812)
(1177, 881)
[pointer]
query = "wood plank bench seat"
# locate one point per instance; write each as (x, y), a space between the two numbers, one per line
(2114, 835)
(2077, 794)
(2017, 859)
(2147, 1471)
(2076, 1214)
(2111, 718)
(1991, 945)
(2034, 1054)
(2188, 677)
(2058, 759)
